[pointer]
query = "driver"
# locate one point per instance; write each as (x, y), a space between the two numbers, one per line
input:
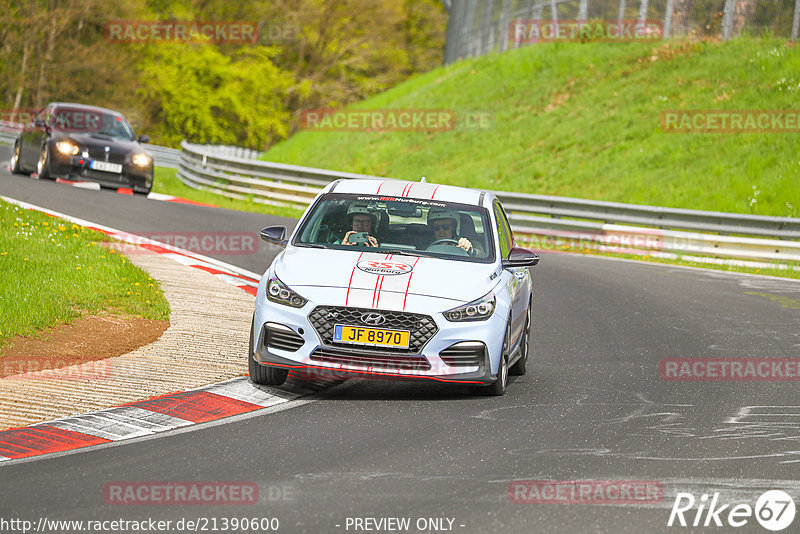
(445, 225)
(362, 219)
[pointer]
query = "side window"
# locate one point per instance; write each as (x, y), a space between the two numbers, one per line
(502, 231)
(512, 242)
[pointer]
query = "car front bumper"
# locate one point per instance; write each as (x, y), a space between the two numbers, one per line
(140, 179)
(286, 337)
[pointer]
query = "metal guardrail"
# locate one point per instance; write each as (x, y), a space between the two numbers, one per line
(9, 132)
(537, 220)
(162, 156)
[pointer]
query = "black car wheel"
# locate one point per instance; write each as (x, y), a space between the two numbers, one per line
(262, 374)
(518, 368)
(16, 168)
(43, 167)
(498, 388)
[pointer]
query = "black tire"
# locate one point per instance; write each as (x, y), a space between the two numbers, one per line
(519, 368)
(262, 374)
(43, 167)
(16, 168)
(498, 387)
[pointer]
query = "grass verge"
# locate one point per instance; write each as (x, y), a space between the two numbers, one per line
(583, 120)
(54, 271)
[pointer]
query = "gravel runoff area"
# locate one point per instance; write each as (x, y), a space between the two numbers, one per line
(205, 343)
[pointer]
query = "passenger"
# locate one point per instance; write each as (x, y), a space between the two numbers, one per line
(361, 219)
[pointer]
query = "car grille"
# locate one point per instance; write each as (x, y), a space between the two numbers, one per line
(100, 155)
(281, 337)
(421, 327)
(464, 354)
(386, 361)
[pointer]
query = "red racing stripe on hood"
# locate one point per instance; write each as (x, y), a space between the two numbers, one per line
(350, 283)
(405, 297)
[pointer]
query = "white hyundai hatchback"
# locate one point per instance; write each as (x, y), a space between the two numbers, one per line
(406, 280)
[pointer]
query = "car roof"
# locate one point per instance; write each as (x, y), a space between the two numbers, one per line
(82, 106)
(406, 189)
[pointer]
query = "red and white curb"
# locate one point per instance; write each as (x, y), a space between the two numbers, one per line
(178, 200)
(144, 418)
(175, 410)
(241, 278)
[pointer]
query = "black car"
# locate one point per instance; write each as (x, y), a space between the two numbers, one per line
(86, 143)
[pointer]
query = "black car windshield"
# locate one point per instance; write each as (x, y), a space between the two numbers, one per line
(94, 121)
(399, 225)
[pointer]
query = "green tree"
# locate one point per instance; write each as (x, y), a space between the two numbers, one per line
(195, 92)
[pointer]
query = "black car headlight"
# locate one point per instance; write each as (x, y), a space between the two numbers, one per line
(477, 310)
(141, 160)
(279, 292)
(68, 148)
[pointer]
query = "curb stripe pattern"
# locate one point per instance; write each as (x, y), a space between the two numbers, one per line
(147, 417)
(43, 439)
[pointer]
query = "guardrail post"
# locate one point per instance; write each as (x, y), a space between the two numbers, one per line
(796, 21)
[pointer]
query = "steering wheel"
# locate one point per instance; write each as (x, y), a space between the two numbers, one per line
(444, 242)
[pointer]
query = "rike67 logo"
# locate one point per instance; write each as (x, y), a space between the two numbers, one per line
(774, 510)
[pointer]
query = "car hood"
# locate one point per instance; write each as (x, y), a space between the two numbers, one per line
(116, 145)
(384, 278)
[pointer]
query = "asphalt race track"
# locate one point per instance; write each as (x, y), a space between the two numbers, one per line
(592, 407)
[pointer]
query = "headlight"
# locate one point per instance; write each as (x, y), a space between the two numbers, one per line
(279, 292)
(141, 160)
(477, 310)
(68, 148)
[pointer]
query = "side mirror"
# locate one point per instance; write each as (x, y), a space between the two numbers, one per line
(143, 139)
(275, 235)
(521, 257)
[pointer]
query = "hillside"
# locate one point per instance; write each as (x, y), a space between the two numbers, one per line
(583, 120)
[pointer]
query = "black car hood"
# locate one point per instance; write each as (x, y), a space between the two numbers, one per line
(91, 140)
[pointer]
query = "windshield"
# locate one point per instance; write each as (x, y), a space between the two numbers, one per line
(399, 225)
(92, 121)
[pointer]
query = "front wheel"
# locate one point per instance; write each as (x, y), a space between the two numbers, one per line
(498, 388)
(262, 374)
(43, 167)
(16, 168)
(518, 369)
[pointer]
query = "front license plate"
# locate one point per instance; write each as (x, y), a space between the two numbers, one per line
(357, 335)
(107, 167)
